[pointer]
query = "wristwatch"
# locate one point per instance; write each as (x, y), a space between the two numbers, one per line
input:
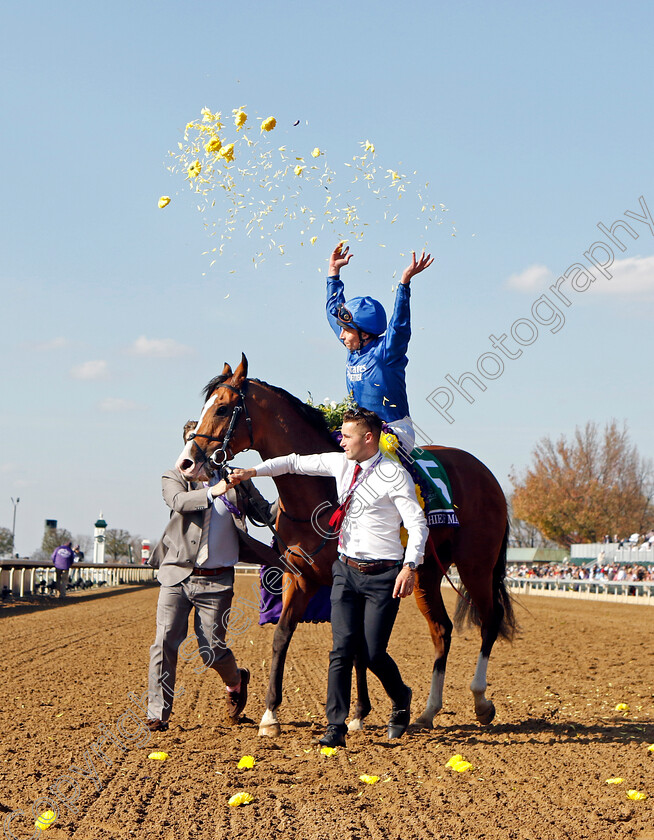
(410, 565)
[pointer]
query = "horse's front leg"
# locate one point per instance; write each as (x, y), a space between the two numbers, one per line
(295, 601)
(363, 707)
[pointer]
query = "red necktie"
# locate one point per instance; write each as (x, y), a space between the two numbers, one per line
(336, 520)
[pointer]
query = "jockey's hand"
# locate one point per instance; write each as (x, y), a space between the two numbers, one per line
(338, 259)
(238, 475)
(404, 583)
(416, 267)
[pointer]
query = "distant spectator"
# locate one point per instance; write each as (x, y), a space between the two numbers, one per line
(79, 554)
(63, 558)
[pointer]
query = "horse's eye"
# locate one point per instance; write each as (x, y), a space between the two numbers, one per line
(222, 411)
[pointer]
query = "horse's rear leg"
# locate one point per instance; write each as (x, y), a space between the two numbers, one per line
(491, 616)
(430, 603)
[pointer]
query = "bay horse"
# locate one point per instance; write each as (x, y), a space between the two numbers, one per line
(241, 413)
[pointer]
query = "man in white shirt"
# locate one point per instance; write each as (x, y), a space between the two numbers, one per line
(372, 571)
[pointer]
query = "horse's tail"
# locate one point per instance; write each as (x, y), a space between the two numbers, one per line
(467, 612)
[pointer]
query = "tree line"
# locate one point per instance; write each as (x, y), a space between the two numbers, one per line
(583, 488)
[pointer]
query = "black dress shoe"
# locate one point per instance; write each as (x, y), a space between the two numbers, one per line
(400, 718)
(333, 737)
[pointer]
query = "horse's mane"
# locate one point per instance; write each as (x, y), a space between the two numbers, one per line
(313, 416)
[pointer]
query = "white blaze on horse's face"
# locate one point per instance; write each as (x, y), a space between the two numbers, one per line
(186, 463)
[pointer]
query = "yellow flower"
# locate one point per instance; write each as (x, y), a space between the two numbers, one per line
(298, 169)
(268, 124)
(636, 795)
(207, 116)
(458, 763)
(246, 763)
(45, 820)
(213, 145)
(227, 152)
(242, 798)
(622, 707)
(615, 781)
(369, 780)
(369, 147)
(316, 152)
(194, 169)
(328, 750)
(158, 756)
(462, 766)
(164, 201)
(239, 119)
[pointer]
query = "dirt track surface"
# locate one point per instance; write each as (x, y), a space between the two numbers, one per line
(539, 769)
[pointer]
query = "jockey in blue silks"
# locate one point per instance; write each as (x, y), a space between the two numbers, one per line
(376, 359)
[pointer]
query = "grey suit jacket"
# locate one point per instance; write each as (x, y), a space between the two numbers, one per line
(175, 554)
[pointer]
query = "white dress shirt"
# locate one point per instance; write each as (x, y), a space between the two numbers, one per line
(384, 497)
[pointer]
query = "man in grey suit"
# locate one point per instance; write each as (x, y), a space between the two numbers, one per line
(204, 539)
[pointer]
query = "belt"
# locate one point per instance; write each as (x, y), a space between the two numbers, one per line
(210, 572)
(368, 567)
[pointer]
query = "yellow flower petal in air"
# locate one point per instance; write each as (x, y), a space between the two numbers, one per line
(636, 795)
(45, 820)
(298, 169)
(328, 750)
(369, 147)
(313, 240)
(246, 763)
(242, 798)
(227, 152)
(194, 169)
(616, 781)
(316, 152)
(239, 119)
(213, 145)
(622, 707)
(164, 201)
(158, 756)
(268, 124)
(369, 780)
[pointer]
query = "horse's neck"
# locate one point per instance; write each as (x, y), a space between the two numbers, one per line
(282, 430)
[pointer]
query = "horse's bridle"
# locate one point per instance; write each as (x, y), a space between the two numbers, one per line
(220, 456)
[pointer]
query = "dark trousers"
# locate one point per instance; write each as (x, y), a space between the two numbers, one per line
(363, 614)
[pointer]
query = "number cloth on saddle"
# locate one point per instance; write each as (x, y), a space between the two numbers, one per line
(432, 484)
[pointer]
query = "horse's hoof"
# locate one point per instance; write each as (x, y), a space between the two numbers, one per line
(486, 717)
(423, 722)
(270, 730)
(356, 725)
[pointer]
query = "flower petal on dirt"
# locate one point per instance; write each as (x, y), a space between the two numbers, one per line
(45, 820)
(369, 780)
(636, 795)
(158, 756)
(247, 762)
(616, 781)
(242, 798)
(328, 750)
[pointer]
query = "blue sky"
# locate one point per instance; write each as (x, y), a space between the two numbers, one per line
(531, 123)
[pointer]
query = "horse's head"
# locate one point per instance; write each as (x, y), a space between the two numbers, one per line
(224, 427)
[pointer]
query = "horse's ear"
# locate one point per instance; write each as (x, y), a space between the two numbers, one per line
(241, 372)
(227, 370)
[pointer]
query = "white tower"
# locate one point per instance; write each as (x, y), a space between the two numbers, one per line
(98, 540)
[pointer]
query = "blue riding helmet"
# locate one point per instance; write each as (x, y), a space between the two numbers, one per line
(364, 313)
